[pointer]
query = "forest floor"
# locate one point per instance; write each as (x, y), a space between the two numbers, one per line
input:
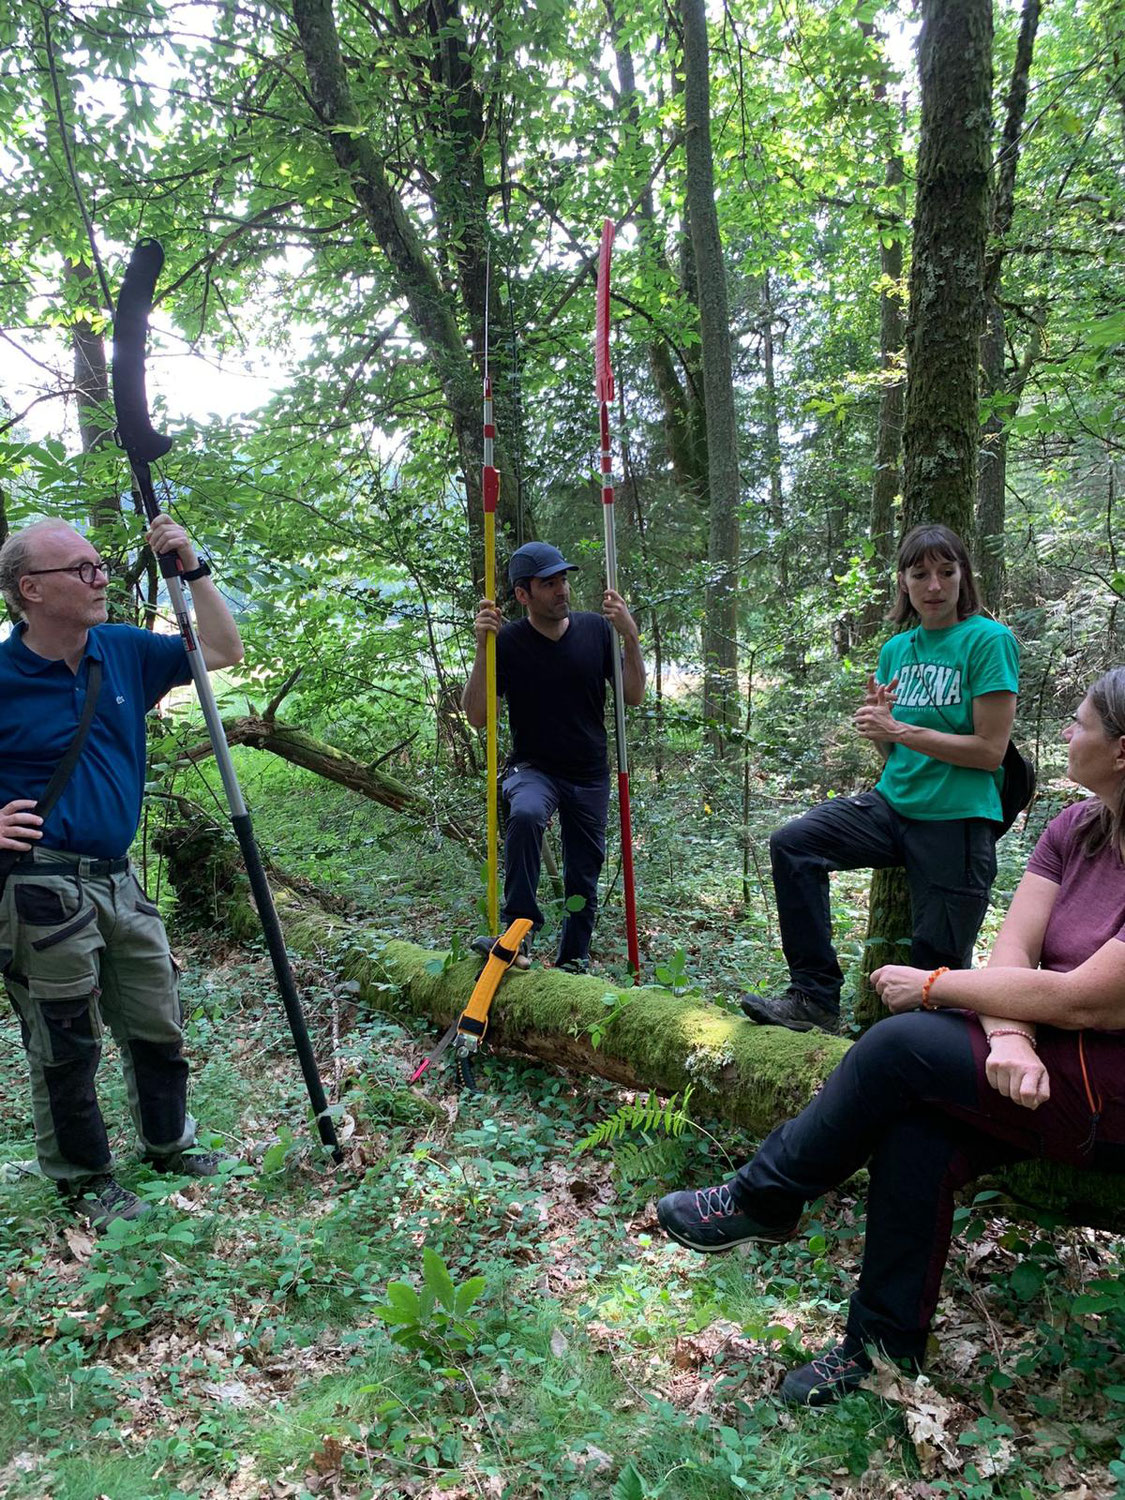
(261, 1336)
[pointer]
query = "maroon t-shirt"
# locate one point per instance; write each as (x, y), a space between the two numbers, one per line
(1083, 1122)
(1090, 907)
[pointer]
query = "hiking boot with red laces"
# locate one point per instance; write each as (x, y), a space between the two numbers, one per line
(709, 1220)
(792, 1008)
(829, 1376)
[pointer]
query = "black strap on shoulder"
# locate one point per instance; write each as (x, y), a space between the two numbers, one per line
(65, 768)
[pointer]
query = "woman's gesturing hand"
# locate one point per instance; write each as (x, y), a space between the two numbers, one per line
(873, 719)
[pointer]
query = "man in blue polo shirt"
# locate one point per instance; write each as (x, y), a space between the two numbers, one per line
(552, 667)
(79, 941)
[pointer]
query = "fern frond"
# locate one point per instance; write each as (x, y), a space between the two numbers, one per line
(643, 1115)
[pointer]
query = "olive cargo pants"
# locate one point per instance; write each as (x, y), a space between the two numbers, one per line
(80, 947)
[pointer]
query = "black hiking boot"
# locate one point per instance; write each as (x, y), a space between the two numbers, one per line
(574, 966)
(101, 1200)
(191, 1163)
(792, 1008)
(709, 1220)
(485, 944)
(829, 1376)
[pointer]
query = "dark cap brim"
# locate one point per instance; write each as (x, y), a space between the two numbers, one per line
(563, 567)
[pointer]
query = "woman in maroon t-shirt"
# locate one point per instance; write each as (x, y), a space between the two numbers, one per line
(930, 1100)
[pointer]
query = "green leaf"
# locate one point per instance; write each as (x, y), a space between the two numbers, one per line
(436, 1276)
(629, 1486)
(1027, 1280)
(467, 1294)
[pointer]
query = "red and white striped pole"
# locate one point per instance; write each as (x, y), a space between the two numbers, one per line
(604, 385)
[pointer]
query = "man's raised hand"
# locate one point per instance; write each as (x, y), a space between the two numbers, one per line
(487, 622)
(617, 613)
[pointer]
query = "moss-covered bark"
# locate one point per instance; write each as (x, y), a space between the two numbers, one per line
(750, 1076)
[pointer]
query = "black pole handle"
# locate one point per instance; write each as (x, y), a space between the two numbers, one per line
(135, 431)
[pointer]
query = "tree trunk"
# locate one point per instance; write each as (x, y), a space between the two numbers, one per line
(943, 337)
(947, 271)
(753, 1077)
(1001, 396)
(720, 628)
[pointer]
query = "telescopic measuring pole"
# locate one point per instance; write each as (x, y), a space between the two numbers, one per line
(604, 381)
(490, 491)
(144, 445)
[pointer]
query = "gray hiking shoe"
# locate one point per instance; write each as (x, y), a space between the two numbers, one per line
(191, 1163)
(792, 1008)
(709, 1220)
(102, 1200)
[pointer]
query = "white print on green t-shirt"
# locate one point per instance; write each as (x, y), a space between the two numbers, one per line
(928, 685)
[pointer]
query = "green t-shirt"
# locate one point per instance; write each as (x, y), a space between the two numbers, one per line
(939, 674)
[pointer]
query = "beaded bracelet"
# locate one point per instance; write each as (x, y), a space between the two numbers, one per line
(1013, 1031)
(927, 985)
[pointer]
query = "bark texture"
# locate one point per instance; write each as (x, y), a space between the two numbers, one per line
(947, 270)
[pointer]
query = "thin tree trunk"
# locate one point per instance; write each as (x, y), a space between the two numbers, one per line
(888, 438)
(772, 436)
(681, 401)
(1000, 395)
(720, 629)
(364, 171)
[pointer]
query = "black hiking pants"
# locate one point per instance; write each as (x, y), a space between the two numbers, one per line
(911, 1101)
(950, 866)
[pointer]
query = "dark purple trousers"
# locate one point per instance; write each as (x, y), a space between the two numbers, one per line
(911, 1101)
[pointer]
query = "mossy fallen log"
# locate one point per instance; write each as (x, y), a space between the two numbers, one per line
(751, 1077)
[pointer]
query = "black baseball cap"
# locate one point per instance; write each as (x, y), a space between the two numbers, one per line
(537, 560)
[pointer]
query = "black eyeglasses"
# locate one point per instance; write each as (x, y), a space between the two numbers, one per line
(87, 571)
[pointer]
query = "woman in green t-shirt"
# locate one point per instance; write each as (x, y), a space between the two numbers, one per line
(939, 709)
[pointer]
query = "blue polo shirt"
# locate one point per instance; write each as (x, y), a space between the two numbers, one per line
(41, 703)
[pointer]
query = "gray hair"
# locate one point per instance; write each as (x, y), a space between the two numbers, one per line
(1106, 823)
(15, 556)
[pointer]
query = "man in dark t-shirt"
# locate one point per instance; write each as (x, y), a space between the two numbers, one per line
(552, 667)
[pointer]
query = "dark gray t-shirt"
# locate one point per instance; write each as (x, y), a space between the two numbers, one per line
(556, 694)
